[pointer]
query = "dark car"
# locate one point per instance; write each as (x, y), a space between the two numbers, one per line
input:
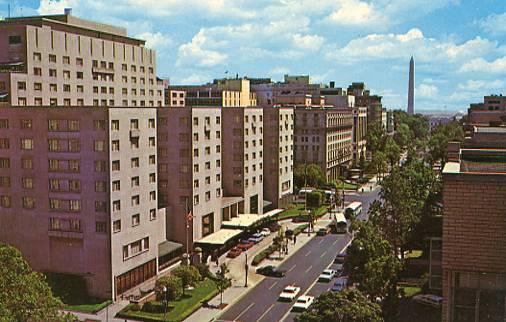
(245, 245)
(323, 231)
(340, 258)
(270, 270)
(234, 252)
(274, 227)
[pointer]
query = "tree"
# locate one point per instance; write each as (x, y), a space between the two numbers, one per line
(25, 294)
(222, 281)
(438, 142)
(392, 151)
(403, 135)
(376, 137)
(172, 284)
(314, 199)
(371, 262)
(346, 306)
(379, 163)
(310, 174)
(189, 275)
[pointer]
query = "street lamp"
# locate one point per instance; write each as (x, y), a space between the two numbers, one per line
(165, 303)
(246, 269)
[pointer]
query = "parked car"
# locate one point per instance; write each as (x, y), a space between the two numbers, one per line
(234, 252)
(323, 231)
(245, 244)
(274, 227)
(340, 258)
(289, 293)
(301, 218)
(339, 284)
(327, 275)
(271, 270)
(303, 303)
(265, 232)
(429, 299)
(256, 238)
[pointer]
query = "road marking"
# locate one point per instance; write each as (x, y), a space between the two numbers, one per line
(270, 287)
(323, 254)
(292, 267)
(265, 313)
(246, 309)
(321, 241)
(334, 243)
(309, 268)
(307, 253)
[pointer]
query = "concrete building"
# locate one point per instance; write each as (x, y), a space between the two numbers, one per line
(278, 155)
(390, 121)
(474, 251)
(491, 112)
(222, 92)
(78, 156)
(243, 157)
(363, 97)
(359, 135)
(323, 136)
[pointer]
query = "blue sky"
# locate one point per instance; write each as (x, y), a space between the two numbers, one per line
(459, 45)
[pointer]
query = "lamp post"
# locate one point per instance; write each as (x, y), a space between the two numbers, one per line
(164, 289)
(246, 269)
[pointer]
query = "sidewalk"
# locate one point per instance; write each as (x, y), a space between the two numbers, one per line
(236, 267)
(369, 186)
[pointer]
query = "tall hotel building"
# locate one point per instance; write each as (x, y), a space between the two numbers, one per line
(78, 151)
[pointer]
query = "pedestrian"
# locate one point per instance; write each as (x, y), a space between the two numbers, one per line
(294, 239)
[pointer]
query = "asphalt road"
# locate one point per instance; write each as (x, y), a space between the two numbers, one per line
(302, 269)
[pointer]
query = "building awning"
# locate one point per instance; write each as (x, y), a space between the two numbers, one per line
(273, 213)
(266, 203)
(220, 237)
(229, 201)
(243, 220)
(168, 247)
(4, 95)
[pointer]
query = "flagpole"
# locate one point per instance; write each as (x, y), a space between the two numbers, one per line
(187, 231)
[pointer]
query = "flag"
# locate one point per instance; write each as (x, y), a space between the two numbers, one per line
(189, 217)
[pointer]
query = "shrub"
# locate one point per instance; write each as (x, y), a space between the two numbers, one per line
(203, 270)
(314, 199)
(153, 307)
(299, 229)
(135, 307)
(173, 285)
(189, 275)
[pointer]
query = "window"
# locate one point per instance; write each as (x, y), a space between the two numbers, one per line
(28, 202)
(195, 183)
(116, 185)
(66, 74)
(4, 123)
(115, 125)
(26, 163)
(66, 88)
(116, 226)
(218, 178)
(37, 71)
(66, 60)
(152, 177)
(14, 40)
(22, 86)
(135, 200)
(136, 220)
(115, 145)
(134, 124)
(26, 144)
(195, 152)
(152, 195)
(5, 163)
(27, 183)
(5, 182)
(52, 73)
(116, 205)
(5, 201)
(100, 206)
(152, 214)
(100, 186)
(75, 205)
(79, 75)
(115, 165)
(52, 58)
(152, 141)
(4, 143)
(37, 56)
(135, 182)
(134, 162)
(101, 227)
(196, 200)
(151, 123)
(37, 87)
(152, 159)
(79, 61)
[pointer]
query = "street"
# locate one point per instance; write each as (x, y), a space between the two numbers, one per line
(303, 269)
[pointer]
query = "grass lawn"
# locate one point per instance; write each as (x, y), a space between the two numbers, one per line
(409, 291)
(90, 307)
(347, 186)
(291, 212)
(181, 308)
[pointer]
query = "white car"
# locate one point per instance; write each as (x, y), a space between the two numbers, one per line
(289, 293)
(327, 275)
(428, 299)
(303, 303)
(265, 232)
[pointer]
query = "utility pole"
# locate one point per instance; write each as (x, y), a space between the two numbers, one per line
(246, 269)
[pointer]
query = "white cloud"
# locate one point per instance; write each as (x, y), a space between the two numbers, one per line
(480, 65)
(279, 71)
(195, 53)
(426, 91)
(308, 42)
(356, 13)
(413, 42)
(481, 85)
(155, 40)
(49, 7)
(494, 24)
(195, 79)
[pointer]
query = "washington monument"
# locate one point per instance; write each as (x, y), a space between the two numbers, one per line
(411, 87)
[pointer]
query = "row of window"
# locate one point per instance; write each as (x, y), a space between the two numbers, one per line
(135, 248)
(134, 201)
(134, 124)
(207, 180)
(196, 198)
(38, 101)
(25, 144)
(135, 221)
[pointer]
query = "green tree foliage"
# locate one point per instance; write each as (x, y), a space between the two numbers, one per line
(439, 140)
(189, 275)
(392, 151)
(310, 175)
(345, 306)
(376, 137)
(403, 135)
(173, 288)
(314, 199)
(379, 163)
(25, 295)
(371, 262)
(222, 281)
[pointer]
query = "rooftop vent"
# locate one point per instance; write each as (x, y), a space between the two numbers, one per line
(67, 11)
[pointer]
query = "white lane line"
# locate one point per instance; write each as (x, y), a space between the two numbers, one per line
(323, 254)
(334, 243)
(270, 287)
(292, 267)
(246, 309)
(309, 268)
(307, 253)
(321, 241)
(265, 313)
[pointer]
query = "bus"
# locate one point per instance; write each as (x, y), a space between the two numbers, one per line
(339, 223)
(354, 210)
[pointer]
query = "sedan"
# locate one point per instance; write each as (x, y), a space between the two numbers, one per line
(245, 245)
(270, 270)
(428, 299)
(289, 293)
(234, 252)
(256, 238)
(339, 284)
(323, 231)
(327, 275)
(303, 303)
(265, 232)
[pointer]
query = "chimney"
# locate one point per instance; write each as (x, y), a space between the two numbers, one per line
(332, 84)
(67, 11)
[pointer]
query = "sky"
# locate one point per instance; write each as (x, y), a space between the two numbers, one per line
(459, 46)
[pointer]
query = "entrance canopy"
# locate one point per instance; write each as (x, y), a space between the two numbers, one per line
(244, 221)
(220, 237)
(168, 247)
